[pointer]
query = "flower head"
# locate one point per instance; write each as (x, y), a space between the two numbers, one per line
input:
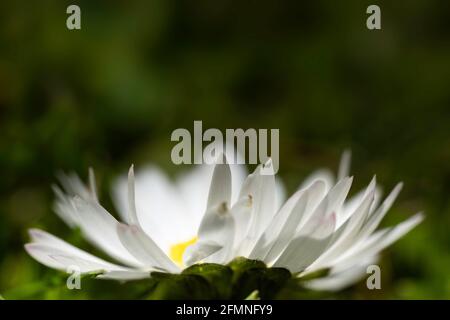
(214, 214)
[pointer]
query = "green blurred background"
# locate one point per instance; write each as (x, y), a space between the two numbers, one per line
(111, 94)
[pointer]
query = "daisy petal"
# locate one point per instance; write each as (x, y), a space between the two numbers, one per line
(124, 275)
(220, 189)
(99, 226)
(375, 219)
(380, 240)
(217, 227)
(336, 281)
(57, 258)
(344, 165)
(132, 213)
(305, 249)
(241, 212)
(282, 228)
(143, 248)
(200, 251)
(262, 189)
(344, 239)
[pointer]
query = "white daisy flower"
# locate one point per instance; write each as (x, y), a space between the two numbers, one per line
(215, 214)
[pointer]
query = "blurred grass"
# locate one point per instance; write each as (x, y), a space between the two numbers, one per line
(111, 94)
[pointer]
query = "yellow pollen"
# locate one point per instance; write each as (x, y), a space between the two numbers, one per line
(177, 250)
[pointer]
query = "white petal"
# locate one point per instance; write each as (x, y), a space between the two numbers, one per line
(281, 231)
(305, 249)
(338, 193)
(311, 218)
(92, 184)
(43, 254)
(124, 275)
(132, 213)
(160, 210)
(381, 240)
(64, 208)
(346, 238)
(333, 201)
(354, 202)
(220, 189)
(75, 187)
(62, 257)
(283, 226)
(44, 238)
(336, 281)
(200, 251)
(241, 212)
(262, 189)
(375, 219)
(280, 193)
(80, 208)
(81, 265)
(143, 248)
(217, 228)
(100, 228)
(217, 225)
(265, 198)
(344, 165)
(349, 208)
(193, 187)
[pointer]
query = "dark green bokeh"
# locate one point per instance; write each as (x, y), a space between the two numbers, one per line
(111, 94)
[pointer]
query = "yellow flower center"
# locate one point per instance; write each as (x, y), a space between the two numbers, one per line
(177, 250)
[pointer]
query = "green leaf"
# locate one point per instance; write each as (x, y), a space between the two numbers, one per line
(266, 280)
(240, 264)
(250, 275)
(240, 279)
(181, 286)
(218, 276)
